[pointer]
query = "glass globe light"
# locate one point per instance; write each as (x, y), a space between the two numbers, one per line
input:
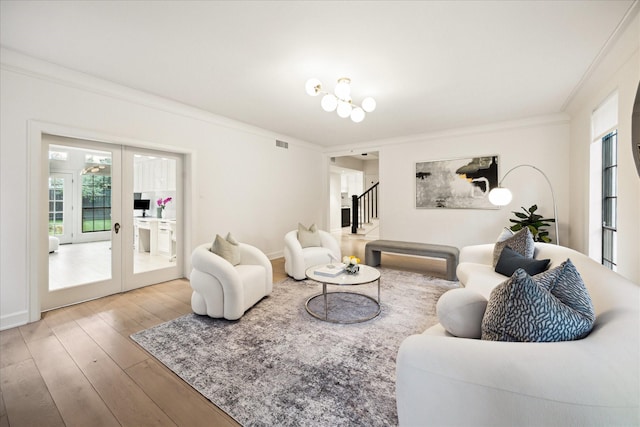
(368, 104)
(500, 196)
(343, 89)
(312, 86)
(357, 115)
(344, 109)
(329, 102)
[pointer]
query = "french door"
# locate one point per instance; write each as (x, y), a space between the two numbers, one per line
(113, 247)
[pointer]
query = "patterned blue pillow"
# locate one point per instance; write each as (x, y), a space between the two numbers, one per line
(521, 309)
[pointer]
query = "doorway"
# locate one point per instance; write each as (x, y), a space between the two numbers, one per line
(119, 208)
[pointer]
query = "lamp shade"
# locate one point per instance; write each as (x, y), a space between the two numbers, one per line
(500, 196)
(368, 104)
(312, 86)
(357, 115)
(329, 102)
(343, 89)
(344, 109)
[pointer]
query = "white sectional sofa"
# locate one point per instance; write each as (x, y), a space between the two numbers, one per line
(445, 380)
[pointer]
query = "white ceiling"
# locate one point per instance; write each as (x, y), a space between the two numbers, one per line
(430, 65)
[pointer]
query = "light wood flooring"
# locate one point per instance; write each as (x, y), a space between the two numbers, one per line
(78, 367)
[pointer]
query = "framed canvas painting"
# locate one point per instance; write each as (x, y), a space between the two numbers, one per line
(457, 183)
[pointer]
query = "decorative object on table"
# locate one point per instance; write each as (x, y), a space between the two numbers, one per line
(457, 183)
(341, 102)
(162, 204)
(501, 196)
(351, 264)
(534, 222)
(329, 270)
(276, 378)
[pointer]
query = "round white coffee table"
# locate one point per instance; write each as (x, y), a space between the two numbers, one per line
(364, 276)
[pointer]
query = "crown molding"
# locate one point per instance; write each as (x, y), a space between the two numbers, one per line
(531, 122)
(623, 25)
(19, 63)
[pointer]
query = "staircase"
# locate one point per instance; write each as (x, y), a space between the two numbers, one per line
(364, 211)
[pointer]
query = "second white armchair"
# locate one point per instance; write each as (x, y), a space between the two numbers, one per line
(298, 256)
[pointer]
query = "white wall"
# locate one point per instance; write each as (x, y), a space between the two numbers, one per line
(618, 70)
(242, 182)
(542, 142)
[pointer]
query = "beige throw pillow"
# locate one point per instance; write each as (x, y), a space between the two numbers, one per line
(309, 237)
(228, 248)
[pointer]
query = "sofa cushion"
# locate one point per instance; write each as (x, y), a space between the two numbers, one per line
(460, 312)
(521, 242)
(309, 237)
(228, 248)
(511, 260)
(521, 309)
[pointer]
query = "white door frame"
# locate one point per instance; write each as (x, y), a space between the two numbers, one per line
(37, 269)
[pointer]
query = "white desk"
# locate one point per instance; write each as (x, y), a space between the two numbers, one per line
(154, 235)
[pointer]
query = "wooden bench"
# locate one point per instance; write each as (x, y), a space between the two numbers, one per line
(449, 253)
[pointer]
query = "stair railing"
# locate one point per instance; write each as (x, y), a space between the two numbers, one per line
(364, 208)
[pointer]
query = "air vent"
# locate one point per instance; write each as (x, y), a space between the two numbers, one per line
(332, 159)
(282, 144)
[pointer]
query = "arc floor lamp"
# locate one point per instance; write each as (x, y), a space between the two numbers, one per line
(502, 196)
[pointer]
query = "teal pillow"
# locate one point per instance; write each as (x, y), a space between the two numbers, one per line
(228, 248)
(523, 310)
(511, 260)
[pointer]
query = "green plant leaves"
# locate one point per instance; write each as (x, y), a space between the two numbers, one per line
(534, 222)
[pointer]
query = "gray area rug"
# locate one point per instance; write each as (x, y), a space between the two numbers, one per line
(279, 366)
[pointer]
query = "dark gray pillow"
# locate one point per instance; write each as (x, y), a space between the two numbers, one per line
(521, 242)
(511, 260)
(520, 309)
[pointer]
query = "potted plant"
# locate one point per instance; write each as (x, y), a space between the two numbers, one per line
(534, 222)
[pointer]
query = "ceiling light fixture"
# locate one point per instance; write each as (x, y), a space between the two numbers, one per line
(340, 101)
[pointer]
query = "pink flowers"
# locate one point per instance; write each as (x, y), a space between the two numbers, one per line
(162, 203)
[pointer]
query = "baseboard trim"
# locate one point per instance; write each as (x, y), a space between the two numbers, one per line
(14, 320)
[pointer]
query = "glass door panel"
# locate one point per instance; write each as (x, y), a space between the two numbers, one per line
(60, 206)
(89, 265)
(153, 183)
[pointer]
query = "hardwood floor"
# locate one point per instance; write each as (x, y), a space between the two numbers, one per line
(78, 367)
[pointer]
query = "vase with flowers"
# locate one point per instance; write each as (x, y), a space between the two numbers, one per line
(162, 204)
(351, 264)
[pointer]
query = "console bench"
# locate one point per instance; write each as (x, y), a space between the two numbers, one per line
(449, 253)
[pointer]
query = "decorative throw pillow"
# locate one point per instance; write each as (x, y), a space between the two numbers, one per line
(460, 312)
(309, 237)
(505, 234)
(521, 242)
(228, 248)
(520, 309)
(571, 290)
(511, 260)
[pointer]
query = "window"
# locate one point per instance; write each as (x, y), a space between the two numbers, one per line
(56, 206)
(96, 203)
(609, 198)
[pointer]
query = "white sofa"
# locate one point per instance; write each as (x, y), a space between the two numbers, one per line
(445, 380)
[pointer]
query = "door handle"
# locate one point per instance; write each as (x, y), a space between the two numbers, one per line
(116, 227)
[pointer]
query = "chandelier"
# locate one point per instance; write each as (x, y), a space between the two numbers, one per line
(340, 101)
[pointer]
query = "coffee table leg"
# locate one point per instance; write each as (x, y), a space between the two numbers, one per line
(326, 306)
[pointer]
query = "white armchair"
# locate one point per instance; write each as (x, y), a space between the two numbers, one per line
(221, 289)
(297, 259)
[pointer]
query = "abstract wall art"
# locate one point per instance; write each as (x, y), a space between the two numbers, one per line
(457, 183)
